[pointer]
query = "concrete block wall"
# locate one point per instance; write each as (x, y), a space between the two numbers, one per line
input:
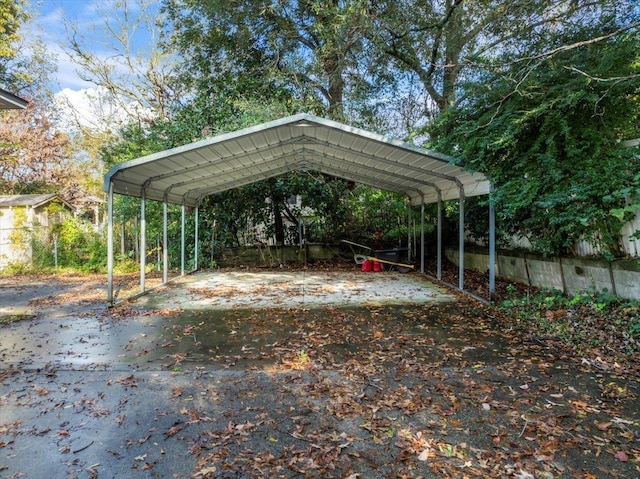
(569, 274)
(626, 274)
(545, 274)
(592, 275)
(274, 255)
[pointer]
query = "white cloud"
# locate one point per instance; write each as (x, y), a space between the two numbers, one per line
(96, 109)
(89, 108)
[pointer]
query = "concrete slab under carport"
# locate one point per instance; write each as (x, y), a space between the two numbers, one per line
(292, 289)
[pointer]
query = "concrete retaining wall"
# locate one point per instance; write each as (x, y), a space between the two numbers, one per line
(569, 274)
(275, 255)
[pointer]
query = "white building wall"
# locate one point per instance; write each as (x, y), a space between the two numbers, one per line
(9, 251)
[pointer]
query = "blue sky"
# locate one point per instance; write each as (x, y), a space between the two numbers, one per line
(48, 24)
(82, 101)
(50, 17)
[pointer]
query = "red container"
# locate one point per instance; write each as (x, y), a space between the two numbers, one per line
(367, 265)
(377, 266)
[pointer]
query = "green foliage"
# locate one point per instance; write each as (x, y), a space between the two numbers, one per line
(18, 235)
(12, 15)
(586, 319)
(308, 49)
(550, 135)
(75, 243)
(79, 247)
(634, 327)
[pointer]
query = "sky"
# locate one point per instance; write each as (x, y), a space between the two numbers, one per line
(48, 24)
(90, 16)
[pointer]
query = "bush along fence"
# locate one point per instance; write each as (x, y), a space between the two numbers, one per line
(71, 243)
(569, 274)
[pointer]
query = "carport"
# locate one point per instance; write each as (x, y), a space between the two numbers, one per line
(187, 174)
(9, 101)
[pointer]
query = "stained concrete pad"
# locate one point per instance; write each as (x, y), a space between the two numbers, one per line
(293, 289)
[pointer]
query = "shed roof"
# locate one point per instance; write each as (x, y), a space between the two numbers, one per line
(34, 201)
(26, 200)
(299, 142)
(8, 101)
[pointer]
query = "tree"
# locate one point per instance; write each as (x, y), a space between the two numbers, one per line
(138, 76)
(34, 157)
(309, 47)
(441, 44)
(551, 138)
(12, 15)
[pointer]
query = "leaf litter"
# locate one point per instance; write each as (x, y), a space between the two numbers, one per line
(423, 390)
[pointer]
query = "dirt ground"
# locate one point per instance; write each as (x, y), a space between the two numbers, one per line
(433, 385)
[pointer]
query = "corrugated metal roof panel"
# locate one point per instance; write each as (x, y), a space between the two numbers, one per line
(192, 171)
(9, 101)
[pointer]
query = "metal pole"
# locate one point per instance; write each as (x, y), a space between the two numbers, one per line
(110, 244)
(439, 259)
(422, 236)
(414, 238)
(492, 246)
(122, 233)
(165, 246)
(143, 240)
(461, 242)
(197, 242)
(182, 239)
(409, 230)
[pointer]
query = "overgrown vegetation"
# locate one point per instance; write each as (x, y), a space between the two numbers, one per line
(589, 321)
(550, 137)
(70, 245)
(539, 95)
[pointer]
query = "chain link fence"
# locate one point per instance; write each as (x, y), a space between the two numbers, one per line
(69, 244)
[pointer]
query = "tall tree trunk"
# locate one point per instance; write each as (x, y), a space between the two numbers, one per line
(278, 224)
(333, 70)
(454, 34)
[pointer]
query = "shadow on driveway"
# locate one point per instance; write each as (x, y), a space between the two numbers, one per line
(308, 375)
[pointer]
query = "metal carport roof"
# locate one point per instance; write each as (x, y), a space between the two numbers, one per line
(186, 174)
(9, 101)
(300, 142)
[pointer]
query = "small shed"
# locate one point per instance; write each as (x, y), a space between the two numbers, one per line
(19, 215)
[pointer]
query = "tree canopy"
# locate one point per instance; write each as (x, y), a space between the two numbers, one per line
(12, 15)
(541, 96)
(551, 137)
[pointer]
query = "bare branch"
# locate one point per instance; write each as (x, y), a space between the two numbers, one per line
(600, 79)
(573, 46)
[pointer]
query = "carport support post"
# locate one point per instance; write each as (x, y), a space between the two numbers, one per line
(409, 215)
(461, 242)
(165, 246)
(143, 239)
(439, 259)
(182, 239)
(492, 246)
(110, 244)
(196, 242)
(422, 235)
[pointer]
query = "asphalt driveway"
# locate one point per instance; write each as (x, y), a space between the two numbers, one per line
(305, 374)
